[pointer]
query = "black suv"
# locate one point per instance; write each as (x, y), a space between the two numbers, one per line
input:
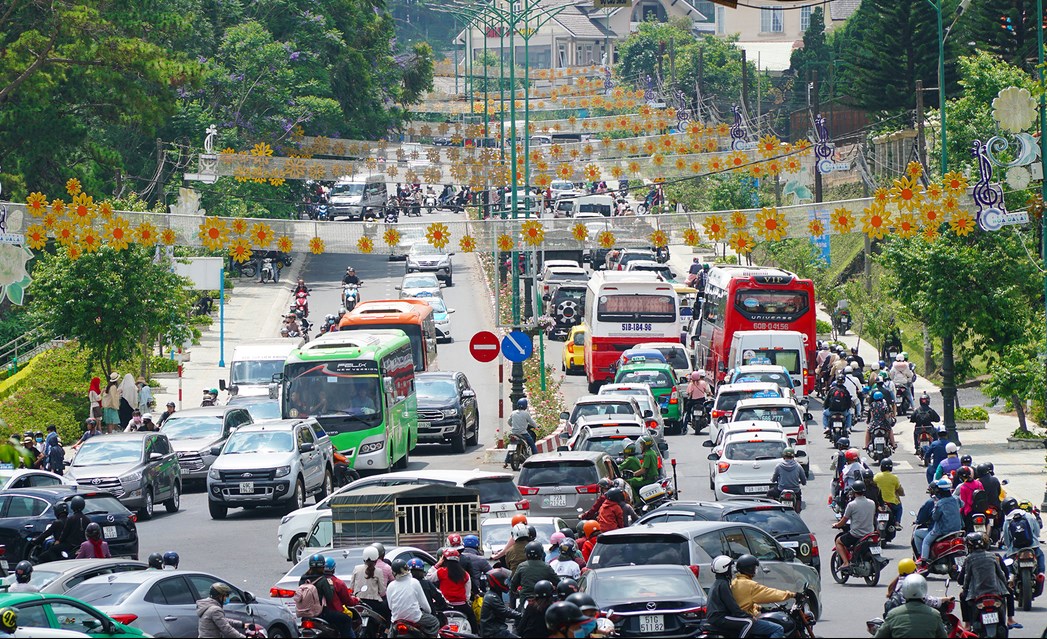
(26, 512)
(780, 522)
(566, 306)
(447, 410)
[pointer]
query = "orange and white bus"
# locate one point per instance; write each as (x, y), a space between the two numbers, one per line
(412, 316)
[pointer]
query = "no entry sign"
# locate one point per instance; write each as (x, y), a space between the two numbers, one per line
(484, 346)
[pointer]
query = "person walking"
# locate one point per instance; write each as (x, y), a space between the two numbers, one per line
(128, 399)
(145, 395)
(94, 398)
(111, 403)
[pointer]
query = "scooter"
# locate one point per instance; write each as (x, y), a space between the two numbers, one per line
(924, 438)
(989, 616)
(953, 628)
(268, 271)
(837, 427)
(521, 450)
(946, 553)
(430, 203)
(795, 620)
(790, 498)
(350, 296)
(878, 448)
(885, 523)
(301, 304)
(866, 561)
(1025, 582)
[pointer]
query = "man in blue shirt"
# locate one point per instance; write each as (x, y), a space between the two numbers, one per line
(945, 519)
(950, 464)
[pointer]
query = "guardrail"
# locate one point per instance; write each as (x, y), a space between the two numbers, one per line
(27, 346)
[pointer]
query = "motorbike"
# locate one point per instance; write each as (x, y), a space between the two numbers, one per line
(521, 451)
(322, 212)
(700, 416)
(350, 296)
(303, 323)
(946, 553)
(301, 304)
(866, 561)
(837, 426)
(661, 254)
(796, 620)
(925, 439)
(268, 271)
(1025, 583)
(953, 628)
(790, 498)
(885, 524)
(253, 631)
(989, 616)
(430, 203)
(879, 448)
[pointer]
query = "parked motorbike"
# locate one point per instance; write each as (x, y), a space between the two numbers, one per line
(866, 561)
(1026, 584)
(350, 296)
(268, 271)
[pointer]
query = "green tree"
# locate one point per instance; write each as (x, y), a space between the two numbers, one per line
(815, 55)
(1006, 28)
(1017, 377)
(114, 303)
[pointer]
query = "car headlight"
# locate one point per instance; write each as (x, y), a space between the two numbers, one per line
(131, 478)
(451, 412)
(282, 471)
(213, 473)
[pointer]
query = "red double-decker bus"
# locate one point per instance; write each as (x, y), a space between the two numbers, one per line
(754, 298)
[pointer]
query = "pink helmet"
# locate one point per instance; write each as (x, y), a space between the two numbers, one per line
(697, 375)
(556, 538)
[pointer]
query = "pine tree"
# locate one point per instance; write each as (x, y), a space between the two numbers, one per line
(1006, 28)
(816, 55)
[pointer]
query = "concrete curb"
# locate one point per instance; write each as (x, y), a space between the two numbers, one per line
(547, 444)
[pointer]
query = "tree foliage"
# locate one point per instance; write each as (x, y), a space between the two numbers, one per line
(1006, 28)
(814, 56)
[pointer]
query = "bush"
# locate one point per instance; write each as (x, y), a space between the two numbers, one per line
(823, 327)
(1024, 434)
(159, 364)
(53, 392)
(972, 414)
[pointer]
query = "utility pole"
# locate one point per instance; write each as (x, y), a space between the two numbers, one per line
(672, 61)
(815, 110)
(921, 142)
(745, 83)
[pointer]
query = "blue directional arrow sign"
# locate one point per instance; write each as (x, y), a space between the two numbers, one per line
(517, 346)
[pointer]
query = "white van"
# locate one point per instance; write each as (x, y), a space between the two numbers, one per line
(780, 348)
(359, 197)
(254, 363)
(602, 204)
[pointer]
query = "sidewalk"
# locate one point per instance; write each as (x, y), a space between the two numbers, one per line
(252, 310)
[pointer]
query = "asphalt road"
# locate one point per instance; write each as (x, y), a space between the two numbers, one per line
(242, 548)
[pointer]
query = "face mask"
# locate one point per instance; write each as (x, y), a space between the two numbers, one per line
(585, 629)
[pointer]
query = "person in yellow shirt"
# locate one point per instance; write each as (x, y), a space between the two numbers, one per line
(891, 491)
(749, 594)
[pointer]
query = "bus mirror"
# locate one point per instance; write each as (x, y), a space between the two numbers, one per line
(274, 391)
(221, 384)
(277, 378)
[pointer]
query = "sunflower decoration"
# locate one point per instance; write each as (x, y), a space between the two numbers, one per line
(606, 239)
(881, 196)
(803, 147)
(72, 187)
(105, 209)
(950, 203)
(580, 232)
(58, 207)
(716, 164)
(736, 160)
(691, 237)
(875, 222)
(680, 164)
(715, 228)
(50, 221)
(365, 245)
(932, 214)
(36, 204)
(284, 244)
(505, 242)
(930, 233)
(961, 222)
(90, 241)
(617, 172)
(659, 238)
(696, 167)
(261, 234)
(757, 171)
(262, 150)
(592, 172)
(36, 236)
(905, 194)
(906, 226)
(792, 164)
(842, 221)
(542, 180)
(565, 170)
(240, 250)
(532, 232)
(933, 192)
(145, 234)
(168, 236)
(742, 243)
(213, 233)
(634, 167)
(238, 226)
(739, 220)
(83, 209)
(914, 170)
(771, 225)
(65, 233)
(954, 183)
(467, 244)
(768, 146)
(437, 234)
(773, 167)
(815, 228)
(118, 233)
(74, 252)
(316, 245)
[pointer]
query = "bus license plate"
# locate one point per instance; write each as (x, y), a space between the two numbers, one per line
(109, 532)
(555, 501)
(990, 617)
(652, 623)
(247, 488)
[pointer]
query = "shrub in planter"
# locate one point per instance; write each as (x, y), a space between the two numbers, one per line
(972, 414)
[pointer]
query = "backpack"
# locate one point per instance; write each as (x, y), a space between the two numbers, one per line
(838, 399)
(56, 458)
(1021, 535)
(307, 600)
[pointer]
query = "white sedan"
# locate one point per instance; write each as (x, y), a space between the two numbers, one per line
(742, 466)
(31, 478)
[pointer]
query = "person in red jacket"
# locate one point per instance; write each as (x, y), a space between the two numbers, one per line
(594, 510)
(611, 516)
(454, 583)
(591, 530)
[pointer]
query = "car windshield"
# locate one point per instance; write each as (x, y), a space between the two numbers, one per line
(439, 389)
(654, 379)
(495, 532)
(676, 357)
(314, 390)
(192, 427)
(609, 408)
(344, 566)
(495, 489)
(259, 441)
(565, 276)
(40, 578)
(103, 451)
(754, 450)
(102, 592)
(612, 445)
(784, 415)
(437, 303)
(665, 272)
(559, 473)
(347, 188)
(102, 504)
(256, 371)
(637, 586)
(639, 550)
(790, 359)
(422, 248)
(424, 280)
(269, 409)
(777, 521)
(727, 401)
(780, 379)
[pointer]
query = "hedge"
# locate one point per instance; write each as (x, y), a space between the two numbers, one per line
(53, 391)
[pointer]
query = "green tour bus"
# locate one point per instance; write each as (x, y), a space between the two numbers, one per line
(360, 387)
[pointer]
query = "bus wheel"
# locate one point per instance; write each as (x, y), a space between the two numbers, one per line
(401, 464)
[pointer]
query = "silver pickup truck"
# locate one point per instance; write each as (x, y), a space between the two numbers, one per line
(272, 463)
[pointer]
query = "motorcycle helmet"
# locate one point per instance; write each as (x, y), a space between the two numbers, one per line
(329, 565)
(604, 484)
(585, 603)
(966, 460)
(370, 554)
(399, 567)
(534, 550)
(867, 476)
(9, 620)
(722, 565)
(532, 533)
(629, 449)
(171, 559)
(981, 470)
(23, 572)
(925, 400)
(380, 548)
(61, 509)
(521, 404)
(695, 376)
(964, 474)
(747, 564)
(1008, 505)
(975, 541)
(858, 487)
(414, 563)
(566, 550)
(518, 519)
(219, 592)
(877, 396)
(519, 531)
(906, 566)
(316, 562)
(944, 485)
(93, 531)
(498, 579)
(454, 540)
(843, 443)
(914, 586)
(851, 455)
(78, 504)
(156, 560)
(847, 370)
(886, 465)
(616, 495)
(951, 448)
(992, 469)
(544, 589)
(560, 616)
(590, 527)
(556, 539)
(566, 588)
(450, 554)
(471, 541)
(646, 441)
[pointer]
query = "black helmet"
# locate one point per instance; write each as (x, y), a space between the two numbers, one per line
(964, 473)
(858, 487)
(399, 567)
(380, 548)
(566, 587)
(498, 579)
(8, 620)
(562, 615)
(886, 464)
(1008, 505)
(316, 562)
(568, 532)
(544, 589)
(992, 469)
(843, 443)
(966, 460)
(532, 533)
(981, 470)
(78, 504)
(61, 509)
(171, 559)
(219, 591)
(534, 550)
(156, 560)
(583, 600)
(867, 476)
(616, 495)
(925, 400)
(93, 531)
(747, 564)
(24, 571)
(975, 541)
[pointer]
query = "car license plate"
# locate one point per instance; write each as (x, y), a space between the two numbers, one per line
(424, 424)
(883, 516)
(247, 488)
(756, 489)
(555, 501)
(879, 440)
(652, 623)
(109, 532)
(875, 550)
(990, 617)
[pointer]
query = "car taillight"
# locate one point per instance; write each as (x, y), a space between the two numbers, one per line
(526, 490)
(694, 613)
(814, 546)
(280, 593)
(651, 424)
(717, 413)
(3, 550)
(591, 489)
(721, 467)
(801, 436)
(674, 397)
(523, 504)
(485, 508)
(570, 348)
(695, 569)
(133, 517)
(126, 619)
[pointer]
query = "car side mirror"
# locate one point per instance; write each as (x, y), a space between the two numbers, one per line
(712, 457)
(789, 554)
(562, 449)
(708, 443)
(665, 410)
(155, 457)
(547, 297)
(565, 415)
(397, 288)
(443, 284)
(307, 447)
(221, 384)
(468, 393)
(249, 598)
(450, 310)
(216, 451)
(800, 453)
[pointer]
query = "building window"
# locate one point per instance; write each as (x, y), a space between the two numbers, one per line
(721, 15)
(805, 18)
(772, 20)
(707, 9)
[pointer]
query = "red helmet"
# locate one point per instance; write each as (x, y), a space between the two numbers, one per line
(518, 519)
(454, 540)
(450, 554)
(851, 455)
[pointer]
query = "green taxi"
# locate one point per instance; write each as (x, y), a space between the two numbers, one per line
(58, 612)
(661, 378)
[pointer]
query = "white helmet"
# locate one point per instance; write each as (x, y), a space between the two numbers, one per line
(722, 565)
(520, 531)
(914, 587)
(874, 366)
(848, 370)
(899, 358)
(370, 553)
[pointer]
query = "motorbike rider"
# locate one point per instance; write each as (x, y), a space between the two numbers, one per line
(723, 614)
(890, 487)
(531, 571)
(520, 425)
(23, 575)
(982, 574)
(611, 516)
(964, 491)
(647, 473)
(860, 515)
(300, 287)
(351, 277)
(698, 392)
(788, 475)
(211, 611)
(924, 417)
(950, 464)
(566, 563)
(155, 561)
(630, 462)
(852, 472)
(474, 562)
(857, 359)
(936, 453)
(343, 597)
(906, 567)
(54, 533)
(74, 532)
(171, 559)
(881, 416)
(603, 485)
(914, 618)
(838, 400)
(592, 531)
(515, 551)
(532, 623)
(1021, 530)
(902, 377)
(493, 612)
(454, 583)
(291, 327)
(325, 590)
(407, 600)
(991, 485)
(564, 619)
(749, 594)
(945, 519)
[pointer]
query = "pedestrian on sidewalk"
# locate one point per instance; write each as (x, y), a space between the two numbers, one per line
(128, 399)
(145, 395)
(111, 403)
(94, 397)
(166, 414)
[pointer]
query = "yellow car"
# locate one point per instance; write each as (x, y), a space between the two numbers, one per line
(574, 351)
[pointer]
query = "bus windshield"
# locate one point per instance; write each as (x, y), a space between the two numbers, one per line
(660, 309)
(315, 390)
(257, 371)
(761, 305)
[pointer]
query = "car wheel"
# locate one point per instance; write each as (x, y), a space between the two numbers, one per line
(172, 505)
(297, 549)
(279, 632)
(145, 513)
(299, 495)
(450, 282)
(217, 510)
(326, 488)
(458, 440)
(474, 439)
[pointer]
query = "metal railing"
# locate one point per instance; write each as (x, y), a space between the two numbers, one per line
(26, 346)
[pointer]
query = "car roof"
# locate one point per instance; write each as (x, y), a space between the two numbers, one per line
(137, 435)
(567, 455)
(685, 528)
(436, 375)
(271, 424)
(777, 402)
(203, 411)
(635, 264)
(598, 430)
(746, 435)
(457, 476)
(657, 345)
(632, 364)
(747, 387)
(751, 424)
(603, 399)
(69, 565)
(619, 386)
(145, 576)
(52, 493)
(505, 521)
(564, 268)
(724, 507)
(759, 368)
